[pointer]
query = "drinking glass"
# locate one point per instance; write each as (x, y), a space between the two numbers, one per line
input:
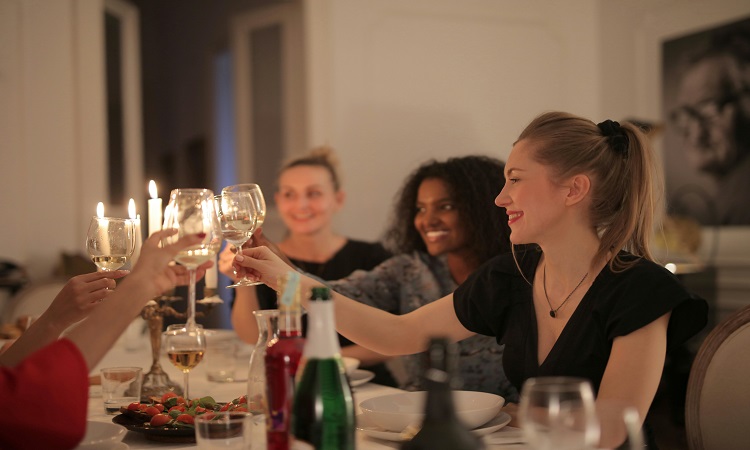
(192, 211)
(256, 193)
(238, 218)
(558, 413)
(110, 242)
(185, 348)
(257, 401)
(121, 386)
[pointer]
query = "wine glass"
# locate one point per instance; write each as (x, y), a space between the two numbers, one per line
(256, 193)
(185, 348)
(260, 207)
(558, 413)
(238, 217)
(192, 211)
(110, 242)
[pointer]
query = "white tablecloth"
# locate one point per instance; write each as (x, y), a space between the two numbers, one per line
(221, 392)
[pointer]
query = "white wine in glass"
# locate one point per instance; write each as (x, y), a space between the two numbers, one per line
(192, 211)
(110, 242)
(185, 349)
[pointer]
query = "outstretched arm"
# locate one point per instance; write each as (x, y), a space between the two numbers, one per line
(383, 332)
(77, 299)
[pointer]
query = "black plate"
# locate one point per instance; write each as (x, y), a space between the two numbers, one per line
(160, 434)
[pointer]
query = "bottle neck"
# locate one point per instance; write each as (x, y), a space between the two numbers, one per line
(439, 403)
(290, 322)
(322, 341)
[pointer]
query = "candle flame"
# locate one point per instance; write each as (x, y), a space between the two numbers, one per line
(152, 189)
(100, 209)
(131, 209)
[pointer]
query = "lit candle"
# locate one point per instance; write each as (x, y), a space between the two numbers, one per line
(137, 236)
(102, 231)
(154, 209)
(212, 276)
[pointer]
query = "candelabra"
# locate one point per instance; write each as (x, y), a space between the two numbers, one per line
(156, 382)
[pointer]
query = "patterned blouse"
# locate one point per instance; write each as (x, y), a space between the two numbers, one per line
(405, 282)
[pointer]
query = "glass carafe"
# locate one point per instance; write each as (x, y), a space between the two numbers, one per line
(268, 332)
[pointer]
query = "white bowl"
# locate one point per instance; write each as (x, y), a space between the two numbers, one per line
(397, 411)
(351, 364)
(101, 435)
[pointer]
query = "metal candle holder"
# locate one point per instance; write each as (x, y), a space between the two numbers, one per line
(156, 382)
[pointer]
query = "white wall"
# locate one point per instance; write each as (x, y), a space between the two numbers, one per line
(51, 127)
(393, 83)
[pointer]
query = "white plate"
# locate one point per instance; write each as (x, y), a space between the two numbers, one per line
(101, 435)
(359, 377)
(500, 420)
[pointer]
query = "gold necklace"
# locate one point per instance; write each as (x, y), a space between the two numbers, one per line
(553, 311)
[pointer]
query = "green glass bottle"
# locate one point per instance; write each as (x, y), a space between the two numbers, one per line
(323, 411)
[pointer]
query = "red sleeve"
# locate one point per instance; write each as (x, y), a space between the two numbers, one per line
(49, 394)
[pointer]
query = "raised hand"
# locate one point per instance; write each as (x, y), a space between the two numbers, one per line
(154, 267)
(80, 295)
(261, 264)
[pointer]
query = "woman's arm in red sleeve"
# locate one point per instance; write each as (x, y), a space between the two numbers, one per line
(49, 394)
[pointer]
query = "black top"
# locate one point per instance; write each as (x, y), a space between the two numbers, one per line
(497, 301)
(354, 255)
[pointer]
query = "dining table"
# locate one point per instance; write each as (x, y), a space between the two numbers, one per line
(136, 351)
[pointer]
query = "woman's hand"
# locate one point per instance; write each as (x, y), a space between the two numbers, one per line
(80, 295)
(154, 267)
(226, 258)
(261, 264)
(260, 240)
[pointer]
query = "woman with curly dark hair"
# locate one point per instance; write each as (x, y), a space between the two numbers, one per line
(443, 228)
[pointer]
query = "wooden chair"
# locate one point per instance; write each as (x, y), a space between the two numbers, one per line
(717, 410)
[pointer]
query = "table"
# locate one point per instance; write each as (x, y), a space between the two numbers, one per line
(126, 354)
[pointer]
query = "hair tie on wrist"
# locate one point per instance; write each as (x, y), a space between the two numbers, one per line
(616, 136)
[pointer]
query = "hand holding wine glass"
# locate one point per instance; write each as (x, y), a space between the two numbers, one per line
(238, 217)
(558, 413)
(192, 211)
(110, 242)
(185, 348)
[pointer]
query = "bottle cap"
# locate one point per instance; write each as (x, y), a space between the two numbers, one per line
(320, 293)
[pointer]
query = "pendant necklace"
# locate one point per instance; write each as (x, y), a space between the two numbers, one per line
(553, 311)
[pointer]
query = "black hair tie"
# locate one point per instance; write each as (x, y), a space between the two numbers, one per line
(616, 136)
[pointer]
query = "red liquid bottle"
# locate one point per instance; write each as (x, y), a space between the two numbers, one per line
(282, 359)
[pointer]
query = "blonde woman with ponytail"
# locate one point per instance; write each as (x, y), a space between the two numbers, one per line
(584, 299)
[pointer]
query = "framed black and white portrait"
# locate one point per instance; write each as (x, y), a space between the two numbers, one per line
(706, 100)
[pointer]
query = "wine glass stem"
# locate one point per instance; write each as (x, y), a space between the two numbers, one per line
(187, 397)
(190, 323)
(239, 252)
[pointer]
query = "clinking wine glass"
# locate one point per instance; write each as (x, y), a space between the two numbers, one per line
(260, 207)
(192, 211)
(185, 348)
(110, 242)
(558, 413)
(238, 217)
